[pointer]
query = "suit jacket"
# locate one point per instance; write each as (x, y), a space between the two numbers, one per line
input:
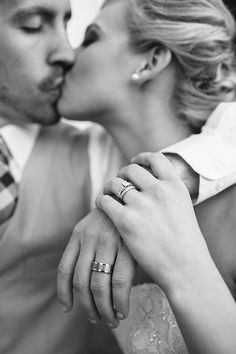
(54, 195)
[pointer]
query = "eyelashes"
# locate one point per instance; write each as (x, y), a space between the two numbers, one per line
(90, 38)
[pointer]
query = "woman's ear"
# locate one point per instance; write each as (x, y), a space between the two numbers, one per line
(157, 59)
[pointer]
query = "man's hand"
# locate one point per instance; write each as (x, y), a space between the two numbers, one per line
(103, 296)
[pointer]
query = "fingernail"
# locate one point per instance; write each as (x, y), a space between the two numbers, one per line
(120, 316)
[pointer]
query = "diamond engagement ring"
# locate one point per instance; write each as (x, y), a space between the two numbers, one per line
(126, 187)
(101, 267)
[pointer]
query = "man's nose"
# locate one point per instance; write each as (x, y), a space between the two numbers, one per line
(62, 53)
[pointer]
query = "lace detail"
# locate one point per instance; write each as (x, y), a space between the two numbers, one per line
(151, 327)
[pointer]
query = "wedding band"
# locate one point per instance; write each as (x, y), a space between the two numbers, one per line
(126, 190)
(101, 267)
(126, 187)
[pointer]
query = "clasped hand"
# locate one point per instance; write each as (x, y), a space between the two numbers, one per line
(103, 296)
(155, 223)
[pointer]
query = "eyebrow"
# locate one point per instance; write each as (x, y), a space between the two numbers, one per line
(47, 13)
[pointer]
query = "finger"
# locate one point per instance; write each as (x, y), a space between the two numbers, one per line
(81, 281)
(122, 279)
(111, 207)
(118, 188)
(159, 165)
(65, 274)
(101, 282)
(137, 175)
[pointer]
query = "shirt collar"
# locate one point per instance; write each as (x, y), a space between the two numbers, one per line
(20, 140)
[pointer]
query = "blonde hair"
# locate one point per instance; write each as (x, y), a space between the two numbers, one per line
(200, 34)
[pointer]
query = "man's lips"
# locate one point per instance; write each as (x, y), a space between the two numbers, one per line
(52, 84)
(53, 88)
(54, 93)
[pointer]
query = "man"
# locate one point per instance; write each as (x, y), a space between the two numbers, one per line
(45, 187)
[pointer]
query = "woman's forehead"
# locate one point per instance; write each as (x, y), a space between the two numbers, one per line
(113, 15)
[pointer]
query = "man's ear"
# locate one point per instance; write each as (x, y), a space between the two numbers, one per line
(157, 59)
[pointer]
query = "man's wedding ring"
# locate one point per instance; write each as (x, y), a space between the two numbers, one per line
(101, 267)
(126, 187)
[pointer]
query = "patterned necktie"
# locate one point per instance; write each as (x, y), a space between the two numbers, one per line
(8, 186)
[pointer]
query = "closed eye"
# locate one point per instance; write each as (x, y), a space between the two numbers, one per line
(91, 36)
(29, 29)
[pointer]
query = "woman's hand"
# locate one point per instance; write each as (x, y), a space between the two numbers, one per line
(157, 221)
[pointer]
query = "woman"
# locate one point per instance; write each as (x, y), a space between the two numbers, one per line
(157, 223)
(152, 75)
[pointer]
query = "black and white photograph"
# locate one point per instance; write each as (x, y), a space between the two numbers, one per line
(117, 177)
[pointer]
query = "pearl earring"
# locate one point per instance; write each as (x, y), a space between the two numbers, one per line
(135, 77)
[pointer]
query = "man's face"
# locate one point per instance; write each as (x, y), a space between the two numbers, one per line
(34, 55)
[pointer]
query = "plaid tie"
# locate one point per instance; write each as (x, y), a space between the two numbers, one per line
(8, 186)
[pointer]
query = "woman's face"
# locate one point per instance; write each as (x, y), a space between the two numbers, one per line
(103, 67)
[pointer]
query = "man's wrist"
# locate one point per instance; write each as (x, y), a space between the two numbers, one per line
(187, 174)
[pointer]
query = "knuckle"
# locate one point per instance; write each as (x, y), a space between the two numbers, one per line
(78, 285)
(104, 241)
(101, 202)
(153, 158)
(122, 171)
(97, 289)
(63, 271)
(119, 281)
(127, 170)
(105, 199)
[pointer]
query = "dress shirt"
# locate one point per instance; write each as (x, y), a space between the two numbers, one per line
(104, 158)
(20, 140)
(212, 154)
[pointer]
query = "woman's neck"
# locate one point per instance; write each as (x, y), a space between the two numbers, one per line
(146, 127)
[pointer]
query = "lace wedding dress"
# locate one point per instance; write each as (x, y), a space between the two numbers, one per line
(151, 327)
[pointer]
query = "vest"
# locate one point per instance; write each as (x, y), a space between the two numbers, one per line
(53, 197)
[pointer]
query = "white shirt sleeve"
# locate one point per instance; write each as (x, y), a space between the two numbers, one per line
(212, 153)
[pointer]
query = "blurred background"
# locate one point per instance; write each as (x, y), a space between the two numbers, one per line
(84, 12)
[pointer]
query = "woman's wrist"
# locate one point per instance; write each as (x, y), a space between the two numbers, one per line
(198, 276)
(204, 308)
